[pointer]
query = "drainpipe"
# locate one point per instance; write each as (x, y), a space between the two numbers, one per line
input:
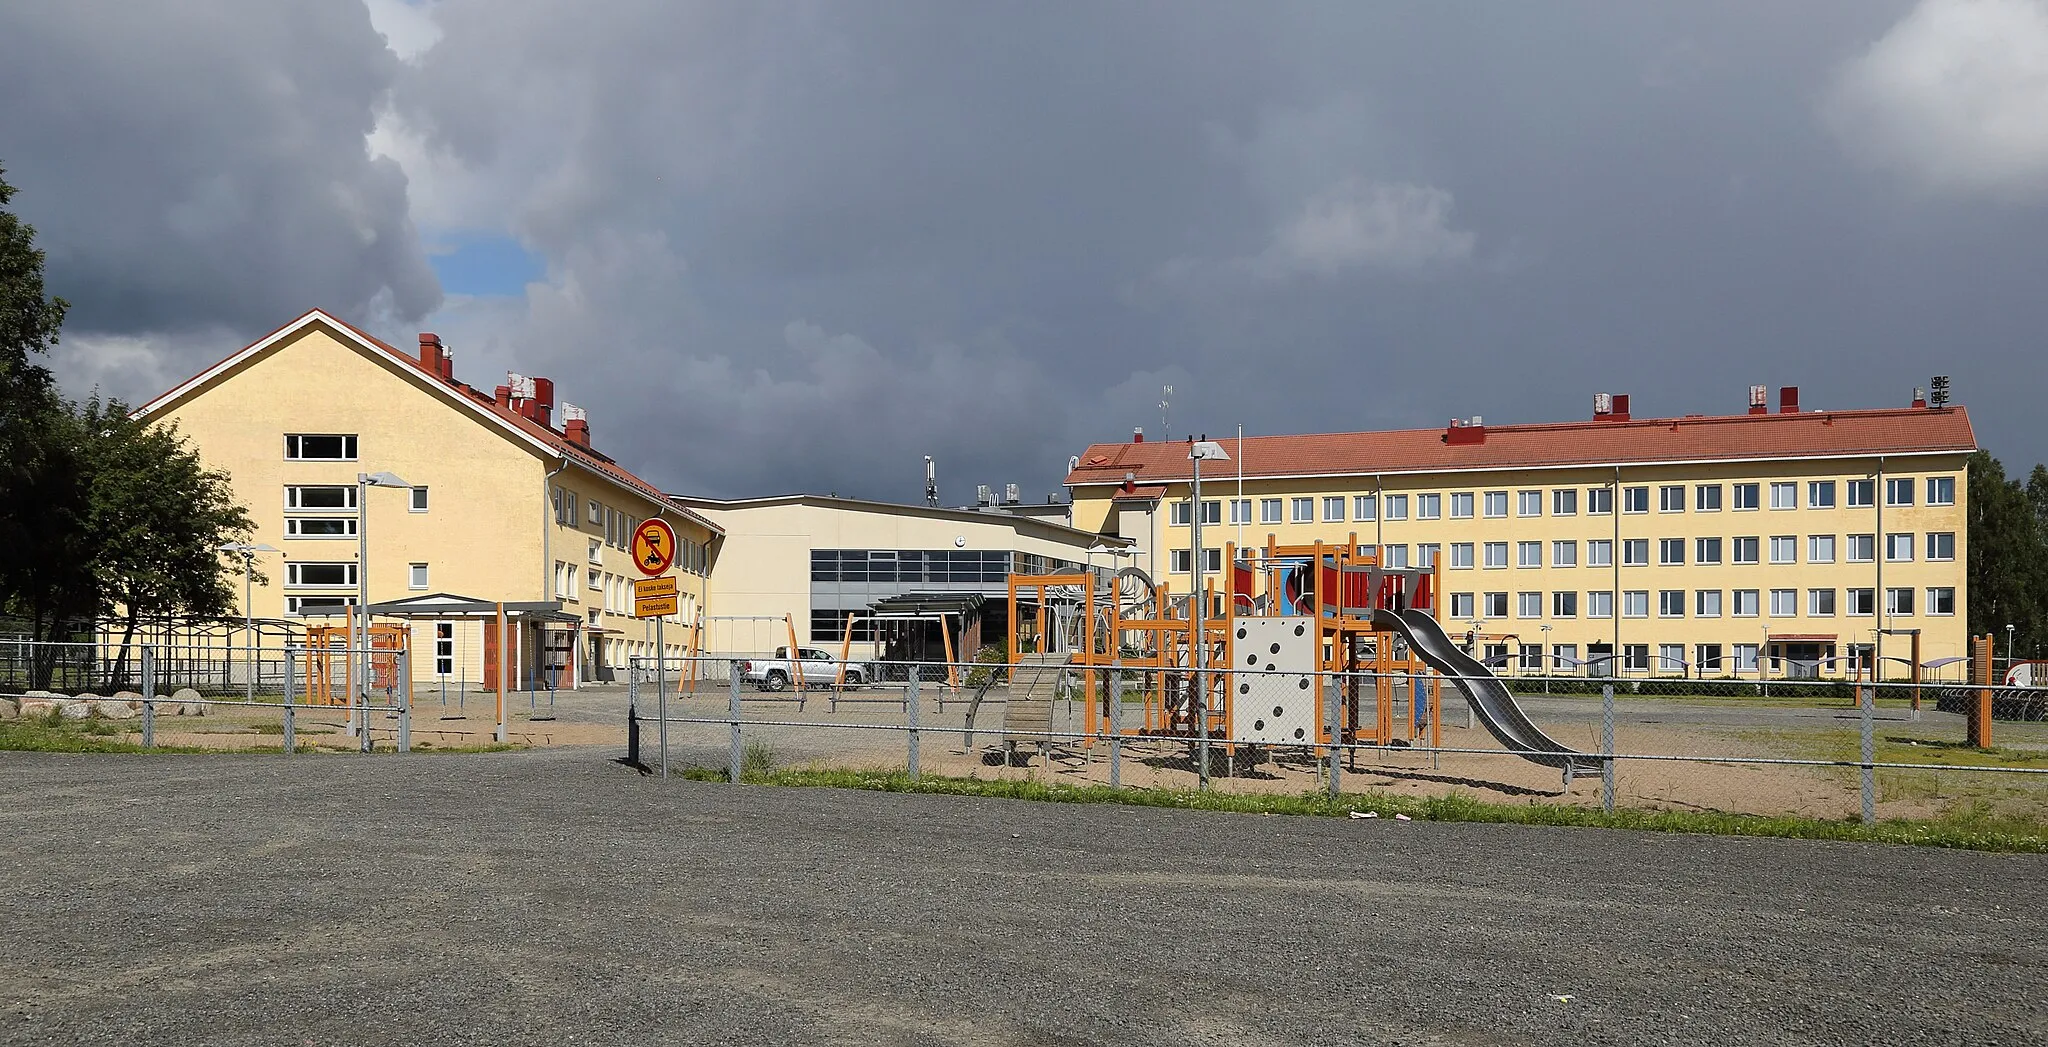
(547, 553)
(1614, 557)
(1877, 601)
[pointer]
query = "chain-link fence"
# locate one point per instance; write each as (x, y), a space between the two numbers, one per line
(1830, 749)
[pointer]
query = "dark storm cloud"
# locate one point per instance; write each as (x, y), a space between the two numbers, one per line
(201, 166)
(802, 245)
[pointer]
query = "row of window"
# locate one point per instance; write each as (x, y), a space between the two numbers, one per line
(616, 590)
(336, 505)
(1702, 603)
(1899, 547)
(909, 565)
(1670, 658)
(1565, 501)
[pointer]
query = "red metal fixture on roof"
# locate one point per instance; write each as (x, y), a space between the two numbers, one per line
(1788, 399)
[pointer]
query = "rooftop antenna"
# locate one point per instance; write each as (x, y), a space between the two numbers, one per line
(1165, 399)
(931, 483)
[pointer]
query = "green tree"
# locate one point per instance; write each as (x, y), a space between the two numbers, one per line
(2008, 568)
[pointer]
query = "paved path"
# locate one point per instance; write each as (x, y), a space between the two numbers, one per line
(549, 897)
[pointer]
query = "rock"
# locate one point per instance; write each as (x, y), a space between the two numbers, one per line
(74, 710)
(133, 698)
(188, 702)
(9, 709)
(192, 709)
(38, 706)
(83, 696)
(113, 709)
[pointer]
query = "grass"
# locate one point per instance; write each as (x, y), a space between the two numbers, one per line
(1971, 827)
(54, 734)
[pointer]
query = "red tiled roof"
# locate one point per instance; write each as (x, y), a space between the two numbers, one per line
(1743, 437)
(1145, 493)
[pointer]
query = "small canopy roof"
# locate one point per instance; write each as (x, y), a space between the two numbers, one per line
(449, 605)
(929, 603)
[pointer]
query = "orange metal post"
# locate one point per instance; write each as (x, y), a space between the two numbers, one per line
(1980, 710)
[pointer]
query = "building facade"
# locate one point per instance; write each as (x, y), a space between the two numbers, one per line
(500, 503)
(1702, 546)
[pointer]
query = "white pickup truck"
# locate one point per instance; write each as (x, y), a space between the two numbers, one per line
(819, 669)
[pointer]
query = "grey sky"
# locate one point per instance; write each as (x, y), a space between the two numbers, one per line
(798, 246)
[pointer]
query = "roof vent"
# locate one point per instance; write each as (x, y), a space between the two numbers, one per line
(573, 413)
(982, 495)
(1788, 399)
(1010, 494)
(1759, 400)
(1603, 405)
(1137, 434)
(520, 385)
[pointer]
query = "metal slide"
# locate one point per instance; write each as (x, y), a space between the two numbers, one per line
(1488, 697)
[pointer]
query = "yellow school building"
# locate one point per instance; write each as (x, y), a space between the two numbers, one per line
(1708, 546)
(505, 498)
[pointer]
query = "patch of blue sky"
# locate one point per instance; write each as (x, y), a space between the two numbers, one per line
(484, 265)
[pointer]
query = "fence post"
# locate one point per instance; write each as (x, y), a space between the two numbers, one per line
(1868, 701)
(148, 698)
(1333, 721)
(404, 683)
(291, 740)
(910, 703)
(1606, 747)
(633, 711)
(1116, 723)
(733, 718)
(661, 695)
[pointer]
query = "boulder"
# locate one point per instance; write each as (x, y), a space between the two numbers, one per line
(192, 709)
(113, 709)
(133, 698)
(74, 710)
(9, 709)
(31, 706)
(187, 701)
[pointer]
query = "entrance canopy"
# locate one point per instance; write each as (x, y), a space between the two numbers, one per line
(930, 603)
(449, 605)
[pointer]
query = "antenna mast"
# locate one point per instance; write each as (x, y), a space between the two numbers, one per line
(931, 483)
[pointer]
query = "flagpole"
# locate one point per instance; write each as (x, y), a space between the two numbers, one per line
(1241, 506)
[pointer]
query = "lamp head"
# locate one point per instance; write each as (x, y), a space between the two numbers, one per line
(1208, 451)
(381, 480)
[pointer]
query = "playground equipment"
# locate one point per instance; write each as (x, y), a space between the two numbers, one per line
(883, 622)
(1285, 654)
(706, 635)
(327, 648)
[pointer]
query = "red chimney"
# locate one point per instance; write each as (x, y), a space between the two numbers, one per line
(1788, 400)
(1620, 408)
(1919, 397)
(544, 391)
(504, 396)
(1759, 400)
(1462, 433)
(578, 431)
(430, 354)
(1137, 434)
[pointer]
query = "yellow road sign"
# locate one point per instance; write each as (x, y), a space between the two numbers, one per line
(654, 546)
(645, 588)
(653, 606)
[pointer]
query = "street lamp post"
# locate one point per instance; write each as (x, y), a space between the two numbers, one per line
(1204, 451)
(248, 553)
(2008, 645)
(365, 481)
(1548, 667)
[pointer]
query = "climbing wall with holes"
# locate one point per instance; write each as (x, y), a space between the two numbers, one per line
(1272, 688)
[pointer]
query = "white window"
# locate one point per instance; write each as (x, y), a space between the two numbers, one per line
(1706, 603)
(1365, 507)
(1941, 490)
(1600, 552)
(418, 576)
(1671, 498)
(1746, 496)
(323, 498)
(1898, 548)
(1564, 502)
(1862, 602)
(1820, 494)
(1635, 552)
(1304, 510)
(1707, 658)
(596, 551)
(1431, 506)
(565, 507)
(315, 447)
(1333, 509)
(444, 648)
(1212, 560)
(1529, 503)
(1746, 603)
(1564, 605)
(1706, 550)
(1745, 658)
(1269, 510)
(1860, 548)
(1496, 505)
(1397, 556)
(1496, 605)
(1784, 548)
(1397, 507)
(1670, 603)
(1898, 601)
(1212, 511)
(1670, 657)
(1600, 604)
(573, 574)
(1898, 491)
(1427, 554)
(1532, 657)
(1564, 554)
(1529, 554)
(598, 580)
(1461, 555)
(1496, 555)
(1941, 545)
(596, 513)
(419, 499)
(309, 574)
(1529, 605)
(1599, 501)
(319, 527)
(1671, 552)
(1564, 654)
(1862, 494)
(313, 606)
(1706, 498)
(1745, 550)
(1785, 602)
(1820, 548)
(1820, 603)
(1635, 499)
(1461, 605)
(1941, 600)
(1635, 603)
(1784, 496)
(1241, 511)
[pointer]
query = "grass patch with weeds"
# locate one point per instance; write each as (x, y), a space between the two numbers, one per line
(1973, 829)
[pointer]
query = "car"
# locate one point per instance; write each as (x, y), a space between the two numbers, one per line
(814, 667)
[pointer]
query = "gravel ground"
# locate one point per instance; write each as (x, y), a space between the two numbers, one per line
(549, 897)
